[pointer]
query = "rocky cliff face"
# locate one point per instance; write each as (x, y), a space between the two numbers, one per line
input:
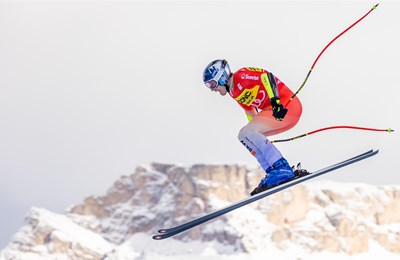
(316, 217)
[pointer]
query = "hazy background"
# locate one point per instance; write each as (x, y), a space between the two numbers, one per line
(89, 90)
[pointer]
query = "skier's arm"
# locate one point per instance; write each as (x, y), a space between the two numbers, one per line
(269, 83)
(278, 110)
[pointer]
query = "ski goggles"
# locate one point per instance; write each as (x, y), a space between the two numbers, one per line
(211, 84)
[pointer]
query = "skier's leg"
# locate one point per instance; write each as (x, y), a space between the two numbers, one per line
(253, 137)
(266, 124)
(268, 156)
(259, 146)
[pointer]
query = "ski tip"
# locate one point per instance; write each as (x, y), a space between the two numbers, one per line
(157, 237)
(162, 231)
(374, 152)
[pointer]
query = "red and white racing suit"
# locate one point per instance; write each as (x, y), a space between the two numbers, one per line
(250, 90)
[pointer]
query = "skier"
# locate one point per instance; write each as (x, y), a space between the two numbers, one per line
(261, 95)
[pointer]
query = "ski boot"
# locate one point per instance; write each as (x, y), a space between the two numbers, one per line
(277, 174)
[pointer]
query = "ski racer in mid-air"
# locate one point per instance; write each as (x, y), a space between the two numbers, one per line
(262, 95)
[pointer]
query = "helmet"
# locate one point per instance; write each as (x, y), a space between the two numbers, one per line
(217, 72)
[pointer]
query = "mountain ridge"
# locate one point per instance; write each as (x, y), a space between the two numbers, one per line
(318, 216)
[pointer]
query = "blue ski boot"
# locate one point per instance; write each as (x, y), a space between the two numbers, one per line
(278, 173)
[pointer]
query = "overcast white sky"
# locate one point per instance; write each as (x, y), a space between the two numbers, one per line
(89, 90)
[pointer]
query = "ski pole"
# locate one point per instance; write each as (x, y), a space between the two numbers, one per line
(326, 47)
(330, 128)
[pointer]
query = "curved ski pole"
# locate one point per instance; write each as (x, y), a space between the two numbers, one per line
(389, 130)
(326, 47)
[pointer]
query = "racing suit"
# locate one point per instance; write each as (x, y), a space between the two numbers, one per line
(252, 89)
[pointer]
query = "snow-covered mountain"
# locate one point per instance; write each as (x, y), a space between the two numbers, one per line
(310, 221)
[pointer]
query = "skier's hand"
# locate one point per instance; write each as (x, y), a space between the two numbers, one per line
(278, 110)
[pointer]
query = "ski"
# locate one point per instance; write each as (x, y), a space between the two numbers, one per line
(165, 233)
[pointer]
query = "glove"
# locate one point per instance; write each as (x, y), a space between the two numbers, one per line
(278, 110)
